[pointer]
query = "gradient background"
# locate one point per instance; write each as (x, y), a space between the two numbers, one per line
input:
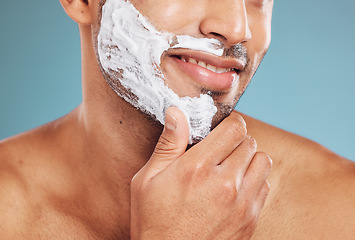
(304, 85)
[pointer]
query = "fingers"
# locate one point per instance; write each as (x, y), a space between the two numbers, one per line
(172, 142)
(237, 163)
(262, 194)
(229, 146)
(260, 199)
(222, 141)
(255, 177)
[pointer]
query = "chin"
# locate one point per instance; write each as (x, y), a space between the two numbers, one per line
(223, 111)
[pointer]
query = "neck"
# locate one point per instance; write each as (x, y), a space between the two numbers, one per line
(117, 138)
(116, 130)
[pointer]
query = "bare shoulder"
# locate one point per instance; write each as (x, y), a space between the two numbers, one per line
(33, 175)
(314, 198)
(325, 184)
(15, 210)
(312, 189)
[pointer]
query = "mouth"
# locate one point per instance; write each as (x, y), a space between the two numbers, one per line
(207, 70)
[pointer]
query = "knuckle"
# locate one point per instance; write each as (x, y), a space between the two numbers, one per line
(265, 159)
(229, 192)
(268, 162)
(195, 172)
(237, 129)
(139, 187)
(164, 146)
(138, 183)
(164, 141)
(263, 193)
(135, 184)
(252, 144)
(267, 187)
(238, 117)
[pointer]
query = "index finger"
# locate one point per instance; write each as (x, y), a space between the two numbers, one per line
(221, 142)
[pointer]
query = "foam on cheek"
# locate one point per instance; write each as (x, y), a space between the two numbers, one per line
(131, 47)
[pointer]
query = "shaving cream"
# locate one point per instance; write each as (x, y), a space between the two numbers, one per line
(130, 49)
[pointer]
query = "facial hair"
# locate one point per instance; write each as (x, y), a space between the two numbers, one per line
(129, 53)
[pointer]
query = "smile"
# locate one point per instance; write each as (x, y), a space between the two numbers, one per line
(208, 71)
(205, 65)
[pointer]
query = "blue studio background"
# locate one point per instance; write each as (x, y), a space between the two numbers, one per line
(304, 85)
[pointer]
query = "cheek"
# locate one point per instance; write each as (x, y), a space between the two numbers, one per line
(261, 36)
(260, 27)
(175, 16)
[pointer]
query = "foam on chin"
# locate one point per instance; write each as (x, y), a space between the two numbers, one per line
(130, 48)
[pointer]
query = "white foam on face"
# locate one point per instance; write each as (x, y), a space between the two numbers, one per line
(130, 46)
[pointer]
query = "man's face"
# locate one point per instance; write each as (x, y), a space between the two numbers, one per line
(242, 28)
(231, 21)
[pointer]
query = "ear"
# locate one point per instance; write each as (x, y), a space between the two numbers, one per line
(78, 10)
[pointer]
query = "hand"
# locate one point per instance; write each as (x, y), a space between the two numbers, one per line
(215, 190)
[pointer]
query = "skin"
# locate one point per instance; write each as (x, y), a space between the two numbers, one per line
(247, 23)
(72, 178)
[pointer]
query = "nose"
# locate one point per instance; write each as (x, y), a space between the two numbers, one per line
(227, 21)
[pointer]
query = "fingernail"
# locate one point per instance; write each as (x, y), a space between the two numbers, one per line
(170, 122)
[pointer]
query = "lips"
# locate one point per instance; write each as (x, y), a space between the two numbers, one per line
(209, 71)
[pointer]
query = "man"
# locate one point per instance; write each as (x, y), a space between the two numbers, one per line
(71, 179)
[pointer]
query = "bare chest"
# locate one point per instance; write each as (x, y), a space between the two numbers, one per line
(57, 226)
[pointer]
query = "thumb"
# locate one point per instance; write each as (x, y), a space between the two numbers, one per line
(172, 142)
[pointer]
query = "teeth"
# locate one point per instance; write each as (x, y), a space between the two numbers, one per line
(208, 66)
(220, 70)
(212, 68)
(202, 64)
(192, 60)
(223, 70)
